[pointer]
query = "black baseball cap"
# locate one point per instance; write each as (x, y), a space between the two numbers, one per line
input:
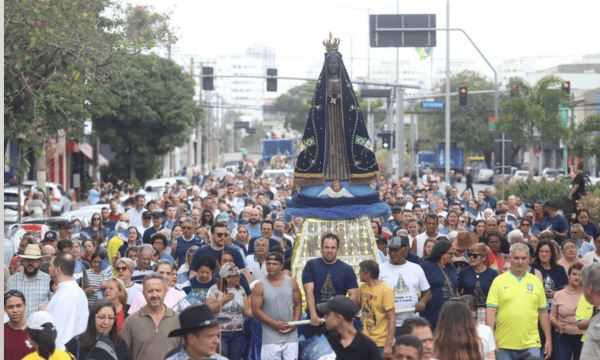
(339, 304)
(397, 209)
(399, 241)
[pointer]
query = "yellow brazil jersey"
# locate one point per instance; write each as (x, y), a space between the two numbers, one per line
(517, 302)
(374, 302)
(56, 355)
(584, 311)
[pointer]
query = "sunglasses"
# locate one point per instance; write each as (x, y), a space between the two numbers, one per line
(221, 234)
(123, 268)
(187, 227)
(473, 255)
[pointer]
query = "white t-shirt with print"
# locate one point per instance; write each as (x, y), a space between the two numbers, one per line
(408, 282)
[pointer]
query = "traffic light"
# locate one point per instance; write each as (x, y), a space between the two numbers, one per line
(387, 139)
(272, 80)
(463, 92)
(515, 90)
(566, 87)
(208, 78)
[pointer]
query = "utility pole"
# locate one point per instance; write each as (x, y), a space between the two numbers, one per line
(400, 131)
(447, 102)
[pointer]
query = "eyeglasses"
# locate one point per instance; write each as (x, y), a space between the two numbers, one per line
(221, 234)
(473, 255)
(122, 268)
(187, 227)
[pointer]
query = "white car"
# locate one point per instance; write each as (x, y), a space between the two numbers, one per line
(550, 174)
(484, 175)
(520, 176)
(84, 213)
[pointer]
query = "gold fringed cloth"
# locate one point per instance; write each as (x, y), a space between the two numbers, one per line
(357, 242)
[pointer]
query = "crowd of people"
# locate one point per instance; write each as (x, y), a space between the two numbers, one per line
(204, 273)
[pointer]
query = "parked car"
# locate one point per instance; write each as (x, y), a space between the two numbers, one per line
(550, 174)
(84, 213)
(484, 175)
(520, 175)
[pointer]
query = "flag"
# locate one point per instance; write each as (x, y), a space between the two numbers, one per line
(424, 52)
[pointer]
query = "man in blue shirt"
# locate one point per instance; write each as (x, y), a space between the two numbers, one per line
(555, 222)
(326, 277)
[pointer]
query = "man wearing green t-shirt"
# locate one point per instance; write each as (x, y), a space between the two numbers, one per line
(515, 303)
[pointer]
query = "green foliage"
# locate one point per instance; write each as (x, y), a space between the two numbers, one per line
(295, 105)
(55, 54)
(469, 123)
(591, 201)
(151, 110)
(585, 138)
(146, 29)
(529, 191)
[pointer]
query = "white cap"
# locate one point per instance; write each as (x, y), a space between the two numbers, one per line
(37, 319)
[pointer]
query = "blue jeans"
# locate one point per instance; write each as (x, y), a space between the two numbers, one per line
(233, 344)
(507, 354)
(567, 346)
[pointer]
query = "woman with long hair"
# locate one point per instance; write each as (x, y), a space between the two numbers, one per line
(554, 276)
(567, 336)
(495, 258)
(100, 341)
(41, 329)
(95, 227)
(116, 293)
(89, 248)
(442, 278)
(583, 218)
(242, 237)
(455, 337)
(208, 218)
(134, 238)
(428, 247)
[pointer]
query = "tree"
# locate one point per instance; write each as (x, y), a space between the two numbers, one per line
(585, 139)
(295, 104)
(535, 109)
(56, 53)
(151, 111)
(469, 124)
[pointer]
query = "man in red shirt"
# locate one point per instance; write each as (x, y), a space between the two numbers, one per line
(15, 335)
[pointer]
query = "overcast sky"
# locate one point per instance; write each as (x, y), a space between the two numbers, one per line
(506, 29)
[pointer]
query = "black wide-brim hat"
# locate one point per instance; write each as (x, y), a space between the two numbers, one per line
(193, 318)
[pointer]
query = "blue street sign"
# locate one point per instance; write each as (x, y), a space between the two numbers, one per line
(432, 104)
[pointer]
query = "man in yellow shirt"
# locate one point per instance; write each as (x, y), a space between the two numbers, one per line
(515, 303)
(378, 312)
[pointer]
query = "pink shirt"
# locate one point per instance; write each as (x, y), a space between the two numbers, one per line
(563, 310)
(171, 299)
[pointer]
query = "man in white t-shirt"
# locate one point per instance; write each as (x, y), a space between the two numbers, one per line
(407, 279)
(431, 232)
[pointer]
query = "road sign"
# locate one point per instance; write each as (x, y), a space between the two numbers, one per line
(386, 30)
(241, 124)
(432, 104)
(375, 93)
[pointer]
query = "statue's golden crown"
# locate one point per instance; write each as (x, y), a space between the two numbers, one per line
(331, 44)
